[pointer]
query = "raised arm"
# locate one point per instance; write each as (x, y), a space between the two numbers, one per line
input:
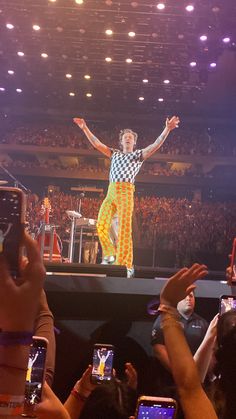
(193, 399)
(96, 143)
(152, 148)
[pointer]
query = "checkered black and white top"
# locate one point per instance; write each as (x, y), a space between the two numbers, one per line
(125, 167)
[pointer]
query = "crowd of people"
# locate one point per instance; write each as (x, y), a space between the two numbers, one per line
(187, 141)
(166, 223)
(21, 305)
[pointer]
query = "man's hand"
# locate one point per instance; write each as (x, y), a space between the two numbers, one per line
(80, 122)
(19, 298)
(172, 123)
(181, 284)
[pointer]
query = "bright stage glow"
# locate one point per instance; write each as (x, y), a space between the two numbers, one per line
(131, 34)
(141, 98)
(36, 28)
(9, 26)
(44, 55)
(213, 65)
(193, 64)
(226, 40)
(11, 72)
(189, 8)
(89, 94)
(166, 81)
(203, 37)
(72, 94)
(161, 6)
(79, 1)
(68, 76)
(145, 80)
(108, 59)
(160, 99)
(87, 77)
(20, 53)
(129, 60)
(19, 90)
(2, 89)
(109, 32)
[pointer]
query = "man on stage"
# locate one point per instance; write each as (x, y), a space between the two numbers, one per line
(125, 166)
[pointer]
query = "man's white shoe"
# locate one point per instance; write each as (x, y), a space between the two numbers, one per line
(130, 272)
(108, 260)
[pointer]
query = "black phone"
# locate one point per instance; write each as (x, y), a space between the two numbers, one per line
(149, 407)
(227, 302)
(36, 370)
(103, 355)
(12, 219)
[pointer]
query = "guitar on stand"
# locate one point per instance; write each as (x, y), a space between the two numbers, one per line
(48, 240)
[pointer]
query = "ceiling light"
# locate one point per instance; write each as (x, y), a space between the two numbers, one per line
(19, 90)
(79, 1)
(141, 98)
(44, 55)
(145, 80)
(193, 64)
(161, 6)
(20, 53)
(226, 39)
(131, 34)
(189, 8)
(2, 89)
(68, 76)
(89, 94)
(36, 27)
(52, 1)
(11, 72)
(9, 26)
(203, 37)
(108, 59)
(166, 81)
(213, 65)
(87, 76)
(160, 99)
(72, 94)
(109, 32)
(129, 60)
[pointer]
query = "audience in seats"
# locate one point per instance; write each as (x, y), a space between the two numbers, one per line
(187, 141)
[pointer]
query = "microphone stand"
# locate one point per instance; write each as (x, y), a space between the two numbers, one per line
(17, 183)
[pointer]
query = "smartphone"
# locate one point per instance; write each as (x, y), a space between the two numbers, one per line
(36, 370)
(12, 219)
(233, 262)
(156, 408)
(227, 302)
(103, 355)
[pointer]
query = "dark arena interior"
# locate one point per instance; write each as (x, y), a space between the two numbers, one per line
(73, 74)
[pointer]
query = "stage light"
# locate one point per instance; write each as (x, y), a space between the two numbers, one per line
(87, 77)
(11, 72)
(20, 53)
(131, 34)
(36, 28)
(166, 81)
(226, 40)
(2, 89)
(160, 99)
(79, 1)
(161, 6)
(89, 94)
(108, 59)
(68, 76)
(44, 55)
(109, 32)
(189, 8)
(9, 26)
(72, 94)
(193, 64)
(19, 90)
(129, 60)
(53, 1)
(145, 80)
(213, 65)
(203, 37)
(141, 98)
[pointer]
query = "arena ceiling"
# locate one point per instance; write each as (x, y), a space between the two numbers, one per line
(57, 54)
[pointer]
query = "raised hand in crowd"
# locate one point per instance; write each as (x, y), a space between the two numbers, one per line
(50, 406)
(193, 399)
(19, 301)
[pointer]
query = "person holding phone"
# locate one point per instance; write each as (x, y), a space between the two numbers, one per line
(18, 308)
(125, 165)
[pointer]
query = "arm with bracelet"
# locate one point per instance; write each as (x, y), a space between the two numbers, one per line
(194, 401)
(18, 307)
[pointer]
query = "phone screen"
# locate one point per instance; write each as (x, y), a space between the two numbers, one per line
(35, 371)
(227, 302)
(102, 363)
(11, 226)
(149, 409)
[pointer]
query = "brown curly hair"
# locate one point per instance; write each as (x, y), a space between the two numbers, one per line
(123, 131)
